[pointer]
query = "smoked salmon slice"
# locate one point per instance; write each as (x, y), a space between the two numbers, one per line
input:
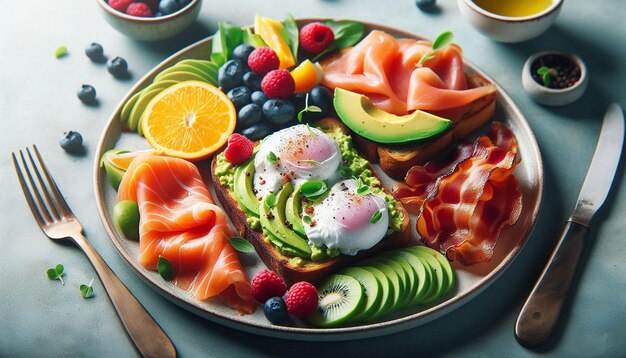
(385, 69)
(180, 221)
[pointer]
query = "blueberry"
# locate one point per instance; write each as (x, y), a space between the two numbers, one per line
(321, 97)
(230, 75)
(258, 131)
(72, 142)
(240, 96)
(298, 100)
(242, 52)
(258, 97)
(118, 67)
(167, 7)
(248, 115)
(183, 3)
(252, 81)
(95, 52)
(87, 94)
(275, 310)
(278, 111)
(425, 4)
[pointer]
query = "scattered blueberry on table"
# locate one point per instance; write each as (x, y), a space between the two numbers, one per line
(95, 52)
(72, 142)
(118, 67)
(425, 4)
(87, 94)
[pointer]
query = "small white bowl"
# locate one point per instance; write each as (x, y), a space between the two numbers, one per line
(151, 28)
(550, 96)
(506, 28)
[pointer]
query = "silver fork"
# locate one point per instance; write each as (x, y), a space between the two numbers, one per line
(58, 222)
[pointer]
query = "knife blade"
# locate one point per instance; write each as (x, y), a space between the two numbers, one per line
(542, 308)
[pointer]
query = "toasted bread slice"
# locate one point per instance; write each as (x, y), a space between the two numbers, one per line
(395, 161)
(283, 265)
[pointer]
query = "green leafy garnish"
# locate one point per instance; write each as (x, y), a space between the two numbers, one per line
(270, 201)
(87, 290)
(307, 219)
(546, 74)
(271, 157)
(313, 189)
(166, 269)
(60, 52)
(376, 216)
(56, 273)
(362, 188)
(254, 40)
(240, 244)
(291, 34)
(346, 172)
(227, 37)
(346, 32)
(443, 40)
(307, 108)
(309, 161)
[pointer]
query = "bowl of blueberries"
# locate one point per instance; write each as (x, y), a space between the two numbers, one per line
(150, 20)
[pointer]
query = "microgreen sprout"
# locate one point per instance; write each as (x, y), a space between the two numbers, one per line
(271, 157)
(87, 290)
(443, 40)
(362, 188)
(56, 273)
(240, 244)
(546, 74)
(307, 108)
(307, 219)
(376, 216)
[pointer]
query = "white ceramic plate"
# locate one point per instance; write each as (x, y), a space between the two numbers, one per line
(470, 280)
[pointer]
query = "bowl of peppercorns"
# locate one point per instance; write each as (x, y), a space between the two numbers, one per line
(554, 78)
(150, 20)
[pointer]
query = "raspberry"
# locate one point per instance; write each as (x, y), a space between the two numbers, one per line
(301, 299)
(238, 150)
(266, 284)
(120, 5)
(316, 37)
(139, 9)
(262, 60)
(278, 84)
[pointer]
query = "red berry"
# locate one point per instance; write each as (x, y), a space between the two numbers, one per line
(316, 37)
(301, 299)
(139, 9)
(262, 60)
(120, 5)
(239, 149)
(278, 84)
(266, 284)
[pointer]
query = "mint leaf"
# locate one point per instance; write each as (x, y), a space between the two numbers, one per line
(271, 157)
(313, 189)
(240, 244)
(165, 268)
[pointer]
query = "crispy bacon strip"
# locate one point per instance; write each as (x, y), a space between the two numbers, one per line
(464, 201)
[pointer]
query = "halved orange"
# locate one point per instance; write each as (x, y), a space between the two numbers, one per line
(189, 120)
(306, 76)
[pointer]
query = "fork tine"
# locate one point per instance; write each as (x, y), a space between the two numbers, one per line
(27, 193)
(65, 209)
(48, 214)
(54, 208)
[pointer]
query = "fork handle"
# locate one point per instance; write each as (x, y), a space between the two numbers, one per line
(147, 335)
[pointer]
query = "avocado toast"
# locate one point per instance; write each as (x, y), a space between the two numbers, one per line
(279, 231)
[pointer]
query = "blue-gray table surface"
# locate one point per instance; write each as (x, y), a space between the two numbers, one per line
(38, 103)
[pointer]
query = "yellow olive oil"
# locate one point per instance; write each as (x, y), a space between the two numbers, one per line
(514, 8)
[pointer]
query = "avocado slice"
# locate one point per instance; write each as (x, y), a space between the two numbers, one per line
(293, 212)
(244, 192)
(359, 114)
(273, 219)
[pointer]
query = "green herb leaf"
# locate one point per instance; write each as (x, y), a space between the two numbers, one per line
(60, 52)
(240, 244)
(346, 172)
(307, 219)
(254, 40)
(376, 216)
(545, 78)
(166, 269)
(346, 32)
(56, 273)
(307, 108)
(444, 39)
(313, 189)
(270, 201)
(87, 290)
(546, 74)
(362, 188)
(543, 70)
(309, 161)
(271, 157)
(291, 34)
(227, 37)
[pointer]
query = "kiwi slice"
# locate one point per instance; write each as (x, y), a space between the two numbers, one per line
(409, 274)
(340, 298)
(396, 287)
(423, 280)
(386, 293)
(371, 290)
(445, 265)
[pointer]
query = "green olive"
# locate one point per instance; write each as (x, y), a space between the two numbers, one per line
(113, 173)
(126, 218)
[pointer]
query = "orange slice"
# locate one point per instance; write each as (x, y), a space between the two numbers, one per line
(306, 76)
(271, 31)
(190, 120)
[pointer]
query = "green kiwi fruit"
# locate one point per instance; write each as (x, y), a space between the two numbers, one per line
(340, 298)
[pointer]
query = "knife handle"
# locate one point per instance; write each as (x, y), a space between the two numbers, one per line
(540, 312)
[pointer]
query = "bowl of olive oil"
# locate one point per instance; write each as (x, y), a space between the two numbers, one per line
(510, 20)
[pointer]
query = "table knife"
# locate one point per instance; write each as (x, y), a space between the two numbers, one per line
(542, 308)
